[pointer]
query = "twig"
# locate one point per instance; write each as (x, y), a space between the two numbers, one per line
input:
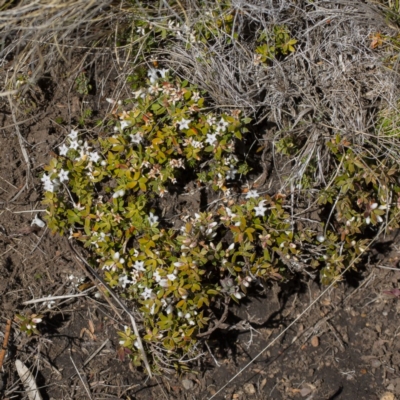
(80, 377)
(218, 323)
(5, 342)
(66, 296)
(87, 361)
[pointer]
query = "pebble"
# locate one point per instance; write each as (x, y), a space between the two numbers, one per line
(387, 396)
(249, 388)
(375, 363)
(315, 341)
(187, 384)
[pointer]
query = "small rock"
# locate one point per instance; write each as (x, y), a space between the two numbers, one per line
(187, 384)
(249, 388)
(375, 363)
(387, 396)
(315, 341)
(305, 391)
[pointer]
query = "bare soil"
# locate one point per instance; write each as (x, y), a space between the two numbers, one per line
(344, 347)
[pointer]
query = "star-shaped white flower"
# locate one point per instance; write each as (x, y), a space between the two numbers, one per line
(152, 74)
(124, 280)
(147, 293)
(94, 156)
(171, 277)
(136, 138)
(184, 123)
(73, 135)
(231, 173)
(252, 194)
(211, 120)
(163, 72)
(63, 175)
(63, 150)
(222, 125)
(260, 209)
(152, 219)
(74, 145)
(139, 266)
(211, 138)
(125, 124)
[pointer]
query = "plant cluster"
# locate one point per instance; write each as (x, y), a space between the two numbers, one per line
(104, 193)
(28, 323)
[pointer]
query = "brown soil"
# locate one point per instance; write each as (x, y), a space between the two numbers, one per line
(344, 347)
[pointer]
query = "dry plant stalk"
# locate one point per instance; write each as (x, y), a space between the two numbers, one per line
(5, 342)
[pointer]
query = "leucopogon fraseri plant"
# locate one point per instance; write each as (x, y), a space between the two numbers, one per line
(104, 193)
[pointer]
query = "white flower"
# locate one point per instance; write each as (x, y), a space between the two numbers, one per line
(368, 220)
(152, 219)
(152, 74)
(171, 277)
(184, 123)
(73, 135)
(153, 89)
(74, 145)
(163, 283)
(373, 206)
(195, 96)
(211, 138)
(63, 150)
(136, 138)
(45, 178)
(139, 93)
(63, 175)
(238, 295)
(252, 194)
(116, 256)
(231, 173)
(211, 120)
(141, 31)
(49, 303)
(118, 193)
(163, 72)
(321, 238)
(221, 125)
(123, 280)
(147, 293)
(260, 209)
(379, 218)
(94, 156)
(139, 266)
(125, 124)
(37, 221)
(157, 276)
(36, 320)
(169, 309)
(103, 163)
